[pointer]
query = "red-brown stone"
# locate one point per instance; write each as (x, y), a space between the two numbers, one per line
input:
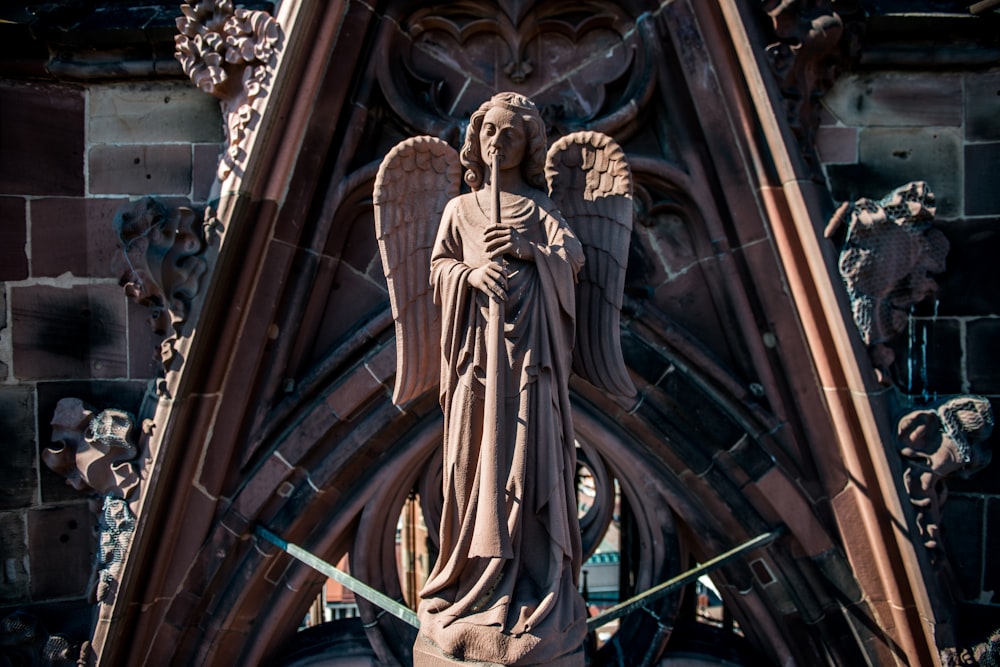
(13, 234)
(68, 333)
(140, 169)
(73, 235)
(41, 139)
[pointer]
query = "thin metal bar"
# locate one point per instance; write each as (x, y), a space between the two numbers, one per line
(356, 586)
(639, 601)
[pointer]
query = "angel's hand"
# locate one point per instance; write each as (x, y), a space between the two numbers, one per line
(505, 240)
(490, 279)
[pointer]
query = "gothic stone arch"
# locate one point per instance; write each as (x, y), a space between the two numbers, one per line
(756, 409)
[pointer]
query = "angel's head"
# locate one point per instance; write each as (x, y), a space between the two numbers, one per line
(533, 157)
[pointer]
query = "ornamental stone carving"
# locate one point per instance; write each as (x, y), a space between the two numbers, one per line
(161, 263)
(809, 53)
(585, 64)
(98, 453)
(949, 440)
(231, 54)
(889, 254)
(95, 451)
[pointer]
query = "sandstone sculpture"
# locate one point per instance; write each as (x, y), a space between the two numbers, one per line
(507, 278)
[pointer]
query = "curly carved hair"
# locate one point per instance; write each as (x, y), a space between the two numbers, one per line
(533, 165)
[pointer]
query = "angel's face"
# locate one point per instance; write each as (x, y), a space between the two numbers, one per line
(503, 132)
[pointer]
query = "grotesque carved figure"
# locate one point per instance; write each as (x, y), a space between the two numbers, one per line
(888, 256)
(507, 293)
(947, 441)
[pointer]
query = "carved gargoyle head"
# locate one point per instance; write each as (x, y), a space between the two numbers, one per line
(95, 451)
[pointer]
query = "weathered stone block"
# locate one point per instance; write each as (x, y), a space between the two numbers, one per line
(991, 551)
(41, 139)
(981, 345)
(18, 474)
(982, 106)
(73, 235)
(63, 544)
(896, 99)
(962, 529)
(13, 234)
(206, 163)
(140, 169)
(982, 163)
(968, 284)
(837, 144)
(142, 113)
(14, 577)
(68, 333)
(929, 358)
(893, 157)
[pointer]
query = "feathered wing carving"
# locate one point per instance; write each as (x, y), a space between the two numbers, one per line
(591, 183)
(414, 182)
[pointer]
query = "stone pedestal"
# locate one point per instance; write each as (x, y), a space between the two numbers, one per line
(427, 654)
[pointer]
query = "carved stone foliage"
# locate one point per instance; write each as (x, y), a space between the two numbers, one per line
(814, 42)
(585, 64)
(231, 54)
(95, 451)
(949, 440)
(98, 452)
(161, 263)
(117, 524)
(25, 642)
(887, 260)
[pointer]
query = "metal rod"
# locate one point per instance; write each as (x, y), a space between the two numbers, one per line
(658, 591)
(356, 586)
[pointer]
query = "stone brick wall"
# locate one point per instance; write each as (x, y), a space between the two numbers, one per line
(882, 130)
(70, 155)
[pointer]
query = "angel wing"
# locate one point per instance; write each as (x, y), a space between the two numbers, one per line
(591, 183)
(414, 182)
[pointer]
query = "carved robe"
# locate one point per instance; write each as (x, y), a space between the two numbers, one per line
(510, 542)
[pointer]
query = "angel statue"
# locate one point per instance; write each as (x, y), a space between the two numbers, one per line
(489, 290)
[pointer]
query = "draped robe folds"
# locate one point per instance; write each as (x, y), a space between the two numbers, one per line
(504, 588)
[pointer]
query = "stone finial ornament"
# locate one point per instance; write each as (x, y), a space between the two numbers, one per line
(161, 263)
(231, 54)
(508, 276)
(889, 254)
(949, 440)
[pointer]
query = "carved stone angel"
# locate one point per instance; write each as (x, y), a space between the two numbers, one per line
(490, 290)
